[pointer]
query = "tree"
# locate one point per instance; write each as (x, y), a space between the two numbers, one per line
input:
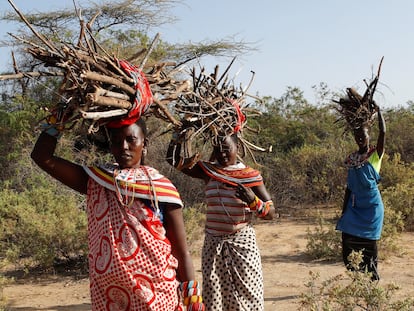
(121, 27)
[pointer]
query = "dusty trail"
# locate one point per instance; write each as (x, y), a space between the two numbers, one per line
(286, 270)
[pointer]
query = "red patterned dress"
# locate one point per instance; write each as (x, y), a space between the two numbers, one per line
(130, 262)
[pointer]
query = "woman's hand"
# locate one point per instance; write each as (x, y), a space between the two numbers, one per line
(245, 194)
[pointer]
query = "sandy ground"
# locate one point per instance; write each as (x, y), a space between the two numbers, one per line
(286, 270)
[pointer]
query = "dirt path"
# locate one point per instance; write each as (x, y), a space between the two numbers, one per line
(286, 270)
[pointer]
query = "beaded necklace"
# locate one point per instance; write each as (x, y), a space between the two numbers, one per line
(357, 159)
(125, 184)
(152, 192)
(125, 201)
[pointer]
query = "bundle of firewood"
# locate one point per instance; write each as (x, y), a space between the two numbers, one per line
(355, 110)
(95, 87)
(214, 108)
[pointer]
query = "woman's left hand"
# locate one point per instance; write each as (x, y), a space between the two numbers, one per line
(245, 194)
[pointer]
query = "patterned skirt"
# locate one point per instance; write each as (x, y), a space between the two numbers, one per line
(232, 272)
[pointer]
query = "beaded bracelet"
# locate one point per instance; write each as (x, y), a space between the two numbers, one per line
(261, 208)
(264, 210)
(51, 129)
(192, 298)
(257, 204)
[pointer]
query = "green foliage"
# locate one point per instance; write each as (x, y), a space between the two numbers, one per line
(324, 242)
(318, 170)
(291, 122)
(398, 192)
(395, 171)
(3, 300)
(400, 129)
(351, 292)
(399, 201)
(42, 223)
(17, 119)
(194, 219)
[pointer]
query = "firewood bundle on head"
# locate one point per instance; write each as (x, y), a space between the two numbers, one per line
(215, 108)
(98, 88)
(358, 111)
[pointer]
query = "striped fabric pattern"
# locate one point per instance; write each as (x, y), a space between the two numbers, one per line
(135, 182)
(233, 175)
(226, 213)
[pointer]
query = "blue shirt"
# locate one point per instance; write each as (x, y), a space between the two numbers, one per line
(364, 213)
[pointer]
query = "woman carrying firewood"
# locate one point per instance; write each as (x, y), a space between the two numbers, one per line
(363, 210)
(234, 193)
(137, 243)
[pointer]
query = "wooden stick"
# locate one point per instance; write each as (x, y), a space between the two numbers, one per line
(226, 71)
(102, 92)
(39, 35)
(105, 79)
(93, 98)
(35, 74)
(151, 48)
(249, 144)
(167, 113)
(103, 114)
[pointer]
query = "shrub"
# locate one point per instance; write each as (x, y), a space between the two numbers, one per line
(3, 301)
(313, 174)
(194, 219)
(399, 201)
(395, 171)
(350, 292)
(324, 242)
(43, 224)
(393, 226)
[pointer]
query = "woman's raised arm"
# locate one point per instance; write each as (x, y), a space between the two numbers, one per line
(69, 173)
(381, 135)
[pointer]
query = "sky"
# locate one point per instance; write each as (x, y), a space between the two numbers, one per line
(300, 43)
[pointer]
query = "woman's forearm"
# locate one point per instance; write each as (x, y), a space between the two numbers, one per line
(69, 173)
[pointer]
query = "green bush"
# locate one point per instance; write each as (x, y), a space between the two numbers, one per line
(317, 171)
(3, 301)
(194, 219)
(324, 242)
(395, 171)
(351, 292)
(393, 226)
(44, 223)
(399, 202)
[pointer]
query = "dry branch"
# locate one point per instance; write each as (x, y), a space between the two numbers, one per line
(97, 89)
(94, 84)
(36, 74)
(356, 111)
(214, 108)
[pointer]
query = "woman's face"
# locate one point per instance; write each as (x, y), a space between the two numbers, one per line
(225, 152)
(127, 144)
(362, 138)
